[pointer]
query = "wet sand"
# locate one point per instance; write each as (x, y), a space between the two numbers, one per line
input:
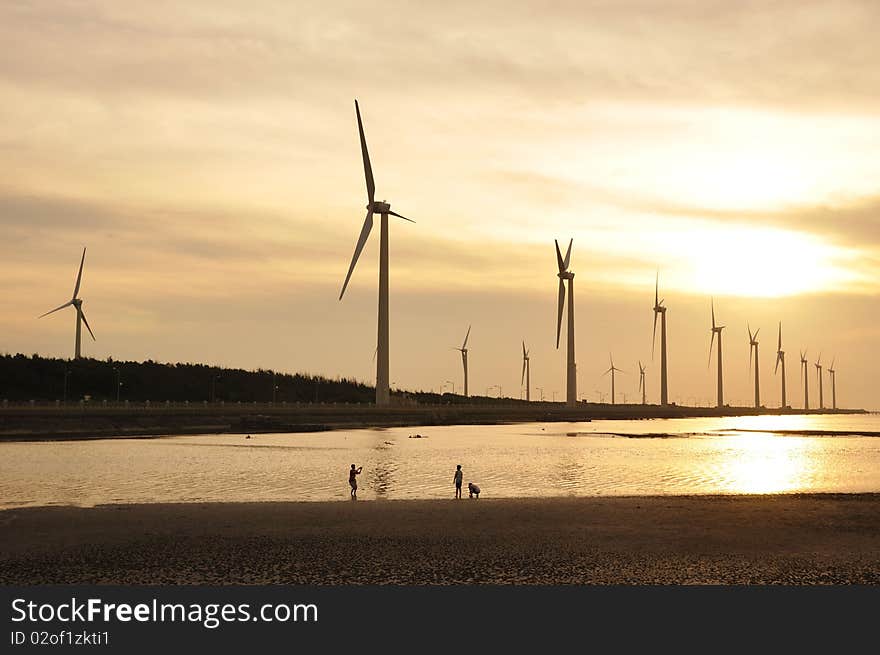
(785, 539)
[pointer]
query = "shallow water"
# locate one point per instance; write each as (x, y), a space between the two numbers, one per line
(693, 456)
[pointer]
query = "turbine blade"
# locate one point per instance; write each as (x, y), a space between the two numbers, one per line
(559, 257)
(654, 335)
(778, 357)
(56, 309)
(525, 354)
(368, 170)
(756, 333)
(657, 287)
(523, 376)
(391, 213)
(464, 345)
(80, 274)
(561, 305)
(82, 313)
(567, 259)
(713, 313)
(711, 343)
(779, 346)
(362, 239)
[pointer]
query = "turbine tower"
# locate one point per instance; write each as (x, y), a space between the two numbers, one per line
(753, 346)
(383, 391)
(612, 370)
(660, 309)
(780, 359)
(805, 377)
(464, 351)
(716, 329)
(76, 303)
(526, 372)
(819, 374)
(564, 274)
(831, 372)
(642, 381)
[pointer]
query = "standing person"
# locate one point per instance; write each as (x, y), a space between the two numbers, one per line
(457, 478)
(352, 479)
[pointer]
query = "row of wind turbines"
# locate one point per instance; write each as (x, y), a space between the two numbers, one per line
(565, 275)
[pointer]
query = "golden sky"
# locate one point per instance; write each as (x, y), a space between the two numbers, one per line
(207, 155)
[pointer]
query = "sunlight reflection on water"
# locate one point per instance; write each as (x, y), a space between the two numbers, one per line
(730, 455)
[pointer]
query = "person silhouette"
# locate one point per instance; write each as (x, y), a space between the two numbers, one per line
(457, 478)
(473, 490)
(352, 479)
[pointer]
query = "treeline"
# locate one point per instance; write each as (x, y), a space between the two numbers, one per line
(24, 378)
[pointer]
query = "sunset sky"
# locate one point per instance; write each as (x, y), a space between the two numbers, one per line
(207, 155)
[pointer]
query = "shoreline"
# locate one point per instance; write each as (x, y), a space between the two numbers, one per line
(721, 539)
(98, 422)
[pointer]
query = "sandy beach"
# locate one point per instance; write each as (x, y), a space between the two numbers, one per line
(787, 539)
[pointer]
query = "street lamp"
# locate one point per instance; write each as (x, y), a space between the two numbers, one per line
(541, 389)
(118, 382)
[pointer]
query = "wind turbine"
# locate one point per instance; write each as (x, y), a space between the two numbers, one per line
(564, 274)
(831, 372)
(383, 391)
(642, 381)
(780, 359)
(77, 304)
(753, 346)
(818, 366)
(660, 309)
(526, 371)
(806, 379)
(716, 329)
(464, 351)
(612, 370)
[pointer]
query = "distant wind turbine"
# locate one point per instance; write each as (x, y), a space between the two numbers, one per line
(659, 308)
(564, 274)
(833, 375)
(76, 303)
(716, 329)
(753, 346)
(819, 374)
(780, 359)
(464, 352)
(526, 371)
(383, 390)
(612, 370)
(805, 377)
(642, 381)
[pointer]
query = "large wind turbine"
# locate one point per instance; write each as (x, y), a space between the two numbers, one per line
(612, 370)
(780, 359)
(753, 346)
(383, 391)
(818, 366)
(464, 351)
(642, 381)
(526, 371)
(76, 303)
(831, 372)
(716, 329)
(805, 377)
(660, 309)
(564, 274)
